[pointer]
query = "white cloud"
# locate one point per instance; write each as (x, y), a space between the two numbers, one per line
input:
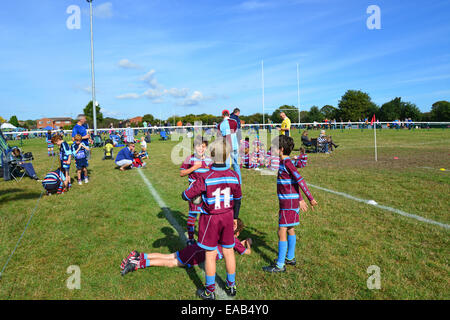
(128, 96)
(149, 78)
(153, 93)
(177, 93)
(195, 99)
(127, 64)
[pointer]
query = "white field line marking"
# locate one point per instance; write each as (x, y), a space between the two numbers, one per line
(168, 214)
(400, 212)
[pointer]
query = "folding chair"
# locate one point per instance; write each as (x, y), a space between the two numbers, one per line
(16, 171)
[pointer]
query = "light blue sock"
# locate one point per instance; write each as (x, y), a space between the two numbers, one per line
(282, 249)
(231, 279)
(291, 247)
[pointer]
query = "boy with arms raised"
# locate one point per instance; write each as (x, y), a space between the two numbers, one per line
(289, 181)
(194, 166)
(220, 191)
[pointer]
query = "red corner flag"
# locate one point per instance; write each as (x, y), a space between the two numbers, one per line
(373, 120)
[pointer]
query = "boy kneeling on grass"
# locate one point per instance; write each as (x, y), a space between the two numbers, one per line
(220, 191)
(191, 255)
(289, 181)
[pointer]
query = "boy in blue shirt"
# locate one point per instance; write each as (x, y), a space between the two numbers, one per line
(65, 156)
(79, 151)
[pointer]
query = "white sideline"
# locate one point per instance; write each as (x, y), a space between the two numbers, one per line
(168, 214)
(370, 202)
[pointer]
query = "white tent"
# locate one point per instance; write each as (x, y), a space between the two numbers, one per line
(7, 126)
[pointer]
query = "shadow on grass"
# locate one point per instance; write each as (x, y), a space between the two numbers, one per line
(17, 194)
(258, 243)
(176, 241)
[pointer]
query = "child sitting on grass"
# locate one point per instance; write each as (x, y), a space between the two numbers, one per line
(289, 182)
(137, 162)
(79, 150)
(190, 256)
(108, 150)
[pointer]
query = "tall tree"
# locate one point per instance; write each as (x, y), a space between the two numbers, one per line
(356, 104)
(290, 111)
(314, 114)
(329, 112)
(14, 121)
(440, 111)
(88, 111)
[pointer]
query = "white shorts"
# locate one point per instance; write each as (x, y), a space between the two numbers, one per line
(124, 162)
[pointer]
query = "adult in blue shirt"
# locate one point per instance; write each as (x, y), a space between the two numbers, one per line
(80, 129)
(125, 157)
(235, 116)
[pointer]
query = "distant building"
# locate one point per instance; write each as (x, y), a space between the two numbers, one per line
(135, 120)
(55, 123)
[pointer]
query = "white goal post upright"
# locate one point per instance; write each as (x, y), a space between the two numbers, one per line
(262, 80)
(298, 95)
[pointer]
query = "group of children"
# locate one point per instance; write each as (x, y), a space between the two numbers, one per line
(59, 181)
(214, 193)
(257, 158)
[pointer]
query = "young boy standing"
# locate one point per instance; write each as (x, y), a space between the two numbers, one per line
(289, 182)
(50, 146)
(65, 156)
(194, 166)
(79, 151)
(220, 190)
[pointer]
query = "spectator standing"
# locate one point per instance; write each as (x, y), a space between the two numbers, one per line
(129, 133)
(235, 117)
(80, 128)
(228, 128)
(285, 125)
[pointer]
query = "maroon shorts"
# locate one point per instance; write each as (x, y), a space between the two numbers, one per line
(191, 255)
(288, 218)
(214, 229)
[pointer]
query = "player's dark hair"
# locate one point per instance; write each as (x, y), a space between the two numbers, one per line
(286, 143)
(247, 139)
(199, 141)
(240, 226)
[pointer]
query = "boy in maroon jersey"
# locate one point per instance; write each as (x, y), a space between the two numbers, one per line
(220, 190)
(194, 166)
(191, 255)
(289, 181)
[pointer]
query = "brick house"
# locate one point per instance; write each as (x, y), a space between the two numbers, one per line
(135, 120)
(55, 123)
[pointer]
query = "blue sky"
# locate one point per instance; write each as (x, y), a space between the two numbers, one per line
(179, 57)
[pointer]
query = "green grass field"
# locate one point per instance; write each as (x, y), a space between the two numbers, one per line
(95, 225)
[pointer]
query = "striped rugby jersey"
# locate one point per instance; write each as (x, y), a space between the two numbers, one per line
(55, 178)
(189, 163)
(219, 188)
(273, 162)
(65, 151)
(300, 161)
(288, 183)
